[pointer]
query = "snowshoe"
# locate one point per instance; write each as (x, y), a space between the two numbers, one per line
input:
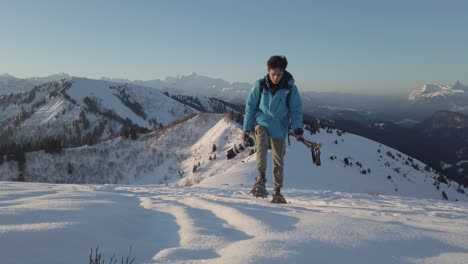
(259, 189)
(278, 198)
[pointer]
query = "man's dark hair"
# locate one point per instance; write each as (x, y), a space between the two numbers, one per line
(277, 61)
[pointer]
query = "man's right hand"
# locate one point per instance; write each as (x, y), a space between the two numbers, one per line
(244, 135)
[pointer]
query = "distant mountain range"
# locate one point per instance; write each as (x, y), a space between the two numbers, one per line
(418, 105)
(12, 84)
(192, 84)
(198, 85)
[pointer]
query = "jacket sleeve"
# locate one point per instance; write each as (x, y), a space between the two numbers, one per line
(251, 107)
(295, 108)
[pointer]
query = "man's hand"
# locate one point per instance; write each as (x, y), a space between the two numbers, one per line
(298, 132)
(244, 135)
(300, 138)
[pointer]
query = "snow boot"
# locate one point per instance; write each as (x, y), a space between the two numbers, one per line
(259, 189)
(278, 198)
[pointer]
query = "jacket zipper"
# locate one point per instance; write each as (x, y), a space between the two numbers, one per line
(278, 104)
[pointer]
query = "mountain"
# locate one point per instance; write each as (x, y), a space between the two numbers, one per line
(363, 108)
(194, 84)
(448, 132)
(440, 141)
(419, 105)
(81, 111)
(443, 123)
(184, 153)
(445, 97)
(49, 113)
(436, 92)
(11, 84)
(47, 79)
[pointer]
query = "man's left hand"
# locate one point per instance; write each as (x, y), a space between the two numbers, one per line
(300, 138)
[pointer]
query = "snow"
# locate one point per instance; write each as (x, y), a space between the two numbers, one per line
(300, 173)
(428, 92)
(337, 108)
(225, 225)
(407, 121)
(335, 213)
(379, 125)
(445, 165)
(49, 112)
(83, 87)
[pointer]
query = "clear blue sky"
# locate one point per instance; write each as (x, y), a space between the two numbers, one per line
(350, 46)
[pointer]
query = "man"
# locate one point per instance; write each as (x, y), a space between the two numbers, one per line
(272, 104)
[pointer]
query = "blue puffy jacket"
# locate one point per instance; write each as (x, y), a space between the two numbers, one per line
(273, 112)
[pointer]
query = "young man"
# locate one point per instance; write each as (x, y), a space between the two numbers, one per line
(273, 103)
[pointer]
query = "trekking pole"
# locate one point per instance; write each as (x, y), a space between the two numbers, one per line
(314, 149)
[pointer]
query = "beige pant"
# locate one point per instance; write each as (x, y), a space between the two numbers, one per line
(278, 149)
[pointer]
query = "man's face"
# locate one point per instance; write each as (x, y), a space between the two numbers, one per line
(275, 75)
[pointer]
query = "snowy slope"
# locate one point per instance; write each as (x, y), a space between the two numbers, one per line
(391, 172)
(335, 213)
(79, 109)
(155, 104)
(60, 223)
(152, 158)
(169, 155)
(43, 112)
(206, 104)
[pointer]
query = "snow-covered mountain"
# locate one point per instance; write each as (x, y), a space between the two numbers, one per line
(194, 84)
(81, 110)
(185, 153)
(11, 84)
(454, 97)
(366, 203)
